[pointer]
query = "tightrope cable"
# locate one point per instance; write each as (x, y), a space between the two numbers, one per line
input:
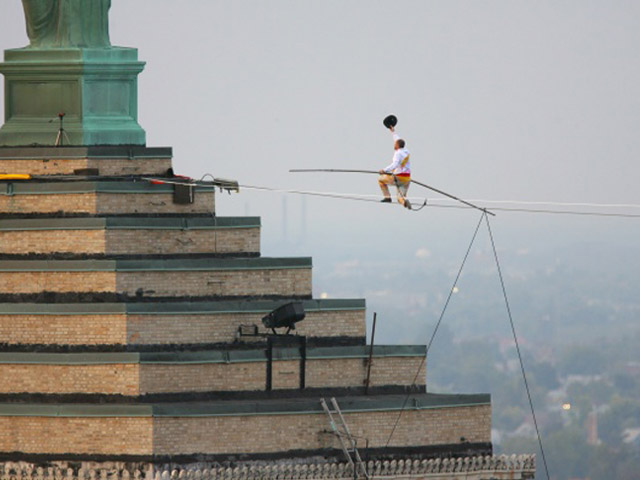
(424, 185)
(435, 203)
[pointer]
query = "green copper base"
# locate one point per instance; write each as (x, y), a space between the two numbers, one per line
(96, 89)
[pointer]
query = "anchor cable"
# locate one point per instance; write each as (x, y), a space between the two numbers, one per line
(424, 185)
(433, 335)
(517, 344)
(433, 203)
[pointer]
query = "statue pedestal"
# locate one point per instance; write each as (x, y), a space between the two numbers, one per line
(96, 89)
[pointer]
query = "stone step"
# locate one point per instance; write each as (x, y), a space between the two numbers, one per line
(100, 197)
(109, 160)
(170, 323)
(181, 372)
(249, 427)
(218, 277)
(130, 235)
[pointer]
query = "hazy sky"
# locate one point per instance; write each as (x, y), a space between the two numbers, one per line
(498, 100)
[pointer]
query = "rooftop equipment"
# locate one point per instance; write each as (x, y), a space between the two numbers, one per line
(285, 316)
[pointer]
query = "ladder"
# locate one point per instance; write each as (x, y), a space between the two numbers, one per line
(347, 441)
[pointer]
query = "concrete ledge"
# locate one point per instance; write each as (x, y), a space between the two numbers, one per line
(130, 223)
(98, 152)
(175, 308)
(291, 406)
(181, 264)
(216, 356)
(35, 187)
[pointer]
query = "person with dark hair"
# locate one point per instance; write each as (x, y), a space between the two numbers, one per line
(397, 173)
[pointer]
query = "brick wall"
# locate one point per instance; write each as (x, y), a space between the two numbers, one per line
(342, 372)
(237, 434)
(42, 167)
(130, 241)
(270, 433)
(285, 375)
(161, 329)
(103, 203)
(50, 241)
(97, 435)
(63, 329)
(34, 282)
(163, 283)
(126, 166)
(70, 202)
(183, 241)
(153, 203)
(238, 282)
(121, 379)
(135, 379)
(216, 328)
(202, 377)
(107, 166)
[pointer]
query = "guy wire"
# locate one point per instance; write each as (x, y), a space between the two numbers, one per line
(515, 339)
(455, 282)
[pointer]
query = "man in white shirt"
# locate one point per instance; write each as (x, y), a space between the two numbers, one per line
(397, 173)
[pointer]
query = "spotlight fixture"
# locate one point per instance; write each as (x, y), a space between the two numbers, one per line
(285, 316)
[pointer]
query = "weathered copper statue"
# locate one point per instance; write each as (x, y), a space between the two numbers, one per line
(67, 23)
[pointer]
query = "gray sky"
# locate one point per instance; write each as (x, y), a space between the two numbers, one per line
(498, 100)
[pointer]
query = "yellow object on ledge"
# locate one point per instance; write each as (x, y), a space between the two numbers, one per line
(15, 176)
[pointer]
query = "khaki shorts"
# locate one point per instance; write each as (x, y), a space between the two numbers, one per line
(402, 183)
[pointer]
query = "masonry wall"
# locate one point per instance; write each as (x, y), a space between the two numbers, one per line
(109, 379)
(63, 329)
(162, 283)
(204, 202)
(35, 282)
(270, 433)
(236, 240)
(288, 282)
(21, 242)
(70, 202)
(237, 434)
(106, 166)
(130, 242)
(120, 329)
(341, 372)
(159, 329)
(89, 435)
(105, 203)
(134, 379)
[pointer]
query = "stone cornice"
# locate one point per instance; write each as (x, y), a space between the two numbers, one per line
(494, 467)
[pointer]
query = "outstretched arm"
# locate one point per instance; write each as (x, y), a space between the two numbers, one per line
(395, 135)
(396, 160)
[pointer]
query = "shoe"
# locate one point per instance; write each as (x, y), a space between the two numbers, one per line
(385, 200)
(407, 204)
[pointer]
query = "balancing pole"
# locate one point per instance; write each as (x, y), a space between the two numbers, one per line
(336, 170)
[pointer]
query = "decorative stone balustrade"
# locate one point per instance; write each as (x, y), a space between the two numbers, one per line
(470, 468)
